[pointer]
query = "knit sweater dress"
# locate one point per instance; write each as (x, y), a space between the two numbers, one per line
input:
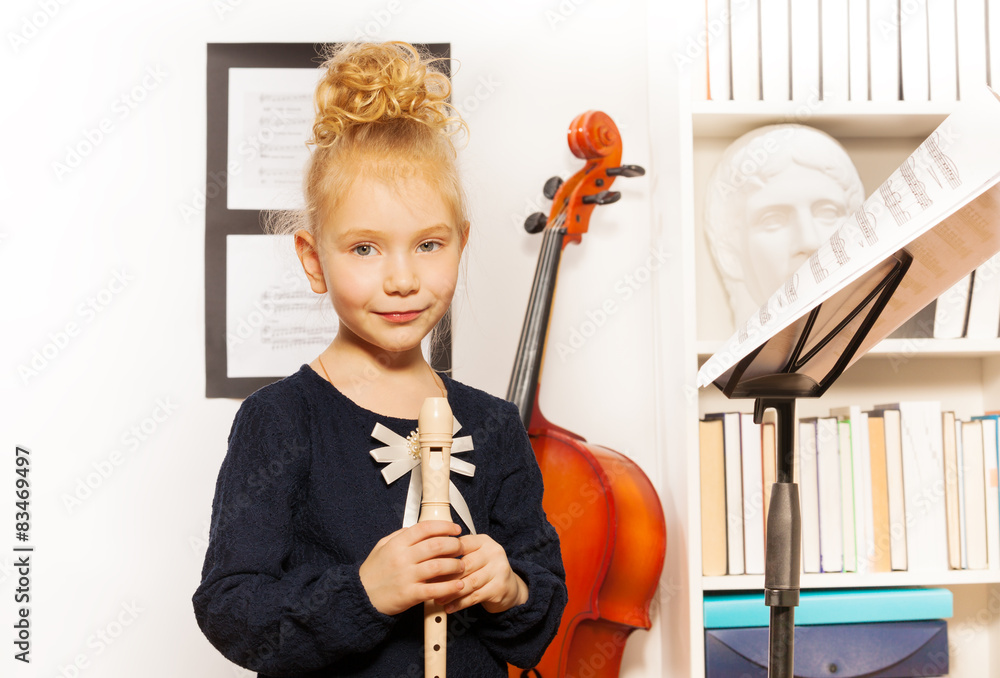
(300, 503)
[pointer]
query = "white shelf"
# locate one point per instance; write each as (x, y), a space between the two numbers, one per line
(839, 119)
(841, 580)
(910, 348)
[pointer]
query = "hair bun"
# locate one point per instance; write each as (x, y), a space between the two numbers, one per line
(379, 82)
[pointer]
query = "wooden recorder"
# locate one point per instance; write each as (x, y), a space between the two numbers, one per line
(435, 429)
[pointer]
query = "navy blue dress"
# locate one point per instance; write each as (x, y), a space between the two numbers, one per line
(300, 503)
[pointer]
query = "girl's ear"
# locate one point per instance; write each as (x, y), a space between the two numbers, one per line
(305, 248)
(464, 230)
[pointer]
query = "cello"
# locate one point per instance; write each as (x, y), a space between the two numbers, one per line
(603, 507)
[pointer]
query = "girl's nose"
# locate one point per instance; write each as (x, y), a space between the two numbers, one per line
(401, 279)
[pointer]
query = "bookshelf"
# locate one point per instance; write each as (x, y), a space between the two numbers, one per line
(688, 137)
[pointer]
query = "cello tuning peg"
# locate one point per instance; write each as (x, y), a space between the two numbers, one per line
(535, 223)
(551, 187)
(626, 171)
(602, 198)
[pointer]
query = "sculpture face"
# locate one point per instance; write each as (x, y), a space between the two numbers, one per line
(775, 196)
(787, 219)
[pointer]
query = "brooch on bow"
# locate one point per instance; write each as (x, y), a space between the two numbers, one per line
(403, 456)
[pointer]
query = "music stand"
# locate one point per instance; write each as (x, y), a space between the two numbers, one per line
(824, 343)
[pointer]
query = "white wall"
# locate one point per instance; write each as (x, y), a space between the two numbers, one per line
(137, 541)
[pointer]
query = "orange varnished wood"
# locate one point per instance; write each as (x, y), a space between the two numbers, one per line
(606, 512)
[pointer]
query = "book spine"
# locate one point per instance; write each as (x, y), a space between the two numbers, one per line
(970, 17)
(951, 496)
(975, 495)
(857, 54)
(734, 494)
(834, 47)
(713, 498)
(990, 470)
(805, 50)
(923, 477)
(881, 536)
(745, 47)
(894, 481)
(984, 302)
(753, 496)
(943, 50)
(883, 32)
(775, 44)
(831, 535)
(809, 495)
(913, 50)
(952, 310)
(719, 56)
(847, 512)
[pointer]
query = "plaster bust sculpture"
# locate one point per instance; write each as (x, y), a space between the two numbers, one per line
(776, 195)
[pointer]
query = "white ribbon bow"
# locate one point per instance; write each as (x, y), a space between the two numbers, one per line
(398, 453)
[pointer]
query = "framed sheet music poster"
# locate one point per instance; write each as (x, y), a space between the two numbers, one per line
(262, 321)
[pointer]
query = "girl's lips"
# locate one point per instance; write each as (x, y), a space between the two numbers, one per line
(403, 317)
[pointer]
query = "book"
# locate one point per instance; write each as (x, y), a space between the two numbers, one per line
(898, 527)
(775, 45)
(862, 483)
(834, 51)
(695, 53)
(734, 489)
(808, 494)
(719, 56)
(879, 560)
(975, 495)
(913, 50)
(942, 50)
(857, 53)
(847, 492)
(883, 45)
(831, 535)
(952, 310)
(923, 480)
(713, 497)
(753, 495)
(805, 29)
(745, 46)
(951, 496)
(990, 470)
(963, 535)
(970, 16)
(984, 301)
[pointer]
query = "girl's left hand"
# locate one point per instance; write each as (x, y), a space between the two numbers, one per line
(488, 578)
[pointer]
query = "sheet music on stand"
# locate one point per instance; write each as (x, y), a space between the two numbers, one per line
(942, 205)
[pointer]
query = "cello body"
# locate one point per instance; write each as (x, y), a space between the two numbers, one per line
(603, 507)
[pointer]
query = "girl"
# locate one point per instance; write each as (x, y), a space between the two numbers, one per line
(315, 566)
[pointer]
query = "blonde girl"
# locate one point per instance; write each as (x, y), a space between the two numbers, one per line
(315, 566)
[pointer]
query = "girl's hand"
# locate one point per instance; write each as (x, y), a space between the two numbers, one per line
(414, 564)
(488, 578)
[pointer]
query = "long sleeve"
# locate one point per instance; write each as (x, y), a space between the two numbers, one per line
(267, 601)
(521, 634)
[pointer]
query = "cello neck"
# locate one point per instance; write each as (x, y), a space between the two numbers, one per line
(528, 362)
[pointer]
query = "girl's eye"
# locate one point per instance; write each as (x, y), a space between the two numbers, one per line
(364, 250)
(429, 246)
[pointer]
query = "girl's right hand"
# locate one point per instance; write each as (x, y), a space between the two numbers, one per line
(407, 567)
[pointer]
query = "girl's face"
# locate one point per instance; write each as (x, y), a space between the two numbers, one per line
(389, 257)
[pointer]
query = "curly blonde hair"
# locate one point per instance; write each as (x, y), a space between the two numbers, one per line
(381, 111)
